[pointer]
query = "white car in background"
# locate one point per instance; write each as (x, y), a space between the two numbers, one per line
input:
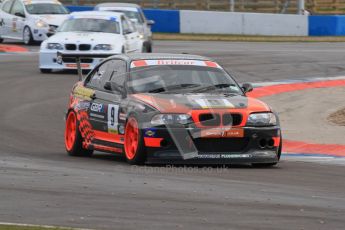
(136, 15)
(89, 33)
(30, 20)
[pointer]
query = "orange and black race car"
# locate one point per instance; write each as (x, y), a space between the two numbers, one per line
(169, 108)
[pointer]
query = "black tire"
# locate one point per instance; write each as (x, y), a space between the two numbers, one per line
(77, 149)
(46, 70)
(30, 39)
(1, 40)
(140, 154)
(147, 47)
(267, 165)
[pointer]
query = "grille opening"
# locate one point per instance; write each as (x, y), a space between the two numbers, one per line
(84, 47)
(209, 119)
(72, 60)
(232, 119)
(71, 47)
(217, 145)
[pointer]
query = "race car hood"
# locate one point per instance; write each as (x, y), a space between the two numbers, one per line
(55, 20)
(87, 37)
(184, 103)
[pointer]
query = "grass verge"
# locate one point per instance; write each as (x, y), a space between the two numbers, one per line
(245, 38)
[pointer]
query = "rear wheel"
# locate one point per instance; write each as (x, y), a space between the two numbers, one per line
(46, 70)
(1, 40)
(27, 36)
(134, 143)
(73, 138)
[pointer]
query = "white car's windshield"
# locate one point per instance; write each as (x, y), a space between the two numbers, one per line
(90, 25)
(46, 8)
(131, 15)
(172, 78)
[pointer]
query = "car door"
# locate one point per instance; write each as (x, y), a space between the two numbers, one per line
(105, 106)
(130, 35)
(6, 19)
(18, 19)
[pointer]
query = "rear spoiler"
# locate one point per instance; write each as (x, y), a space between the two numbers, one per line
(78, 57)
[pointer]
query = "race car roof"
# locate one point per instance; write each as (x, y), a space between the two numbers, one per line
(117, 4)
(159, 56)
(97, 14)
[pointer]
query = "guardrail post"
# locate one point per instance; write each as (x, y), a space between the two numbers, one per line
(301, 7)
(232, 5)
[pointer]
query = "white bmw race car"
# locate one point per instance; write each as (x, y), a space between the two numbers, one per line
(89, 33)
(30, 20)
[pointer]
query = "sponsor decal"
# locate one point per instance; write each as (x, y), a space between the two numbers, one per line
(223, 156)
(122, 116)
(83, 105)
(83, 92)
(75, 65)
(214, 103)
(222, 133)
(150, 132)
(141, 63)
(97, 107)
(97, 115)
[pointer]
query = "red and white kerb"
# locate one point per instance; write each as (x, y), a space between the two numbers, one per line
(142, 63)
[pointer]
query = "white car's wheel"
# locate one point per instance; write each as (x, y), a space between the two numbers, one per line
(1, 40)
(27, 36)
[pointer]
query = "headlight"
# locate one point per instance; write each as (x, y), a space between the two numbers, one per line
(262, 119)
(141, 36)
(41, 24)
(54, 46)
(103, 47)
(170, 119)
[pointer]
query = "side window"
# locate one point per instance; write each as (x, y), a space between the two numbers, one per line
(126, 27)
(98, 77)
(17, 8)
(119, 72)
(7, 6)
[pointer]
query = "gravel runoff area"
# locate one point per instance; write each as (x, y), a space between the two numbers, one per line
(305, 114)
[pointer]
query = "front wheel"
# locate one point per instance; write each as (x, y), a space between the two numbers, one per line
(73, 138)
(27, 36)
(1, 40)
(134, 142)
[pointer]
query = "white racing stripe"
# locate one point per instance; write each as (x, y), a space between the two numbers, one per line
(41, 226)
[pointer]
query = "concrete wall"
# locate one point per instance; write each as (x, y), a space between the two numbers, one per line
(327, 25)
(209, 22)
(243, 23)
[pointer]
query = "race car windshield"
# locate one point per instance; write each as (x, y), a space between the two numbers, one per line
(181, 78)
(46, 8)
(90, 25)
(131, 15)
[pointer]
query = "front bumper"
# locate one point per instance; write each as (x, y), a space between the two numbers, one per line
(247, 149)
(49, 60)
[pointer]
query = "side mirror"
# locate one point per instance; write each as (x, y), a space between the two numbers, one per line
(125, 32)
(18, 14)
(247, 87)
(150, 22)
(111, 86)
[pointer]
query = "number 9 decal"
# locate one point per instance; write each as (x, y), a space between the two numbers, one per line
(113, 114)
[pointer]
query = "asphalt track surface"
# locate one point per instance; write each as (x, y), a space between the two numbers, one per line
(40, 184)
